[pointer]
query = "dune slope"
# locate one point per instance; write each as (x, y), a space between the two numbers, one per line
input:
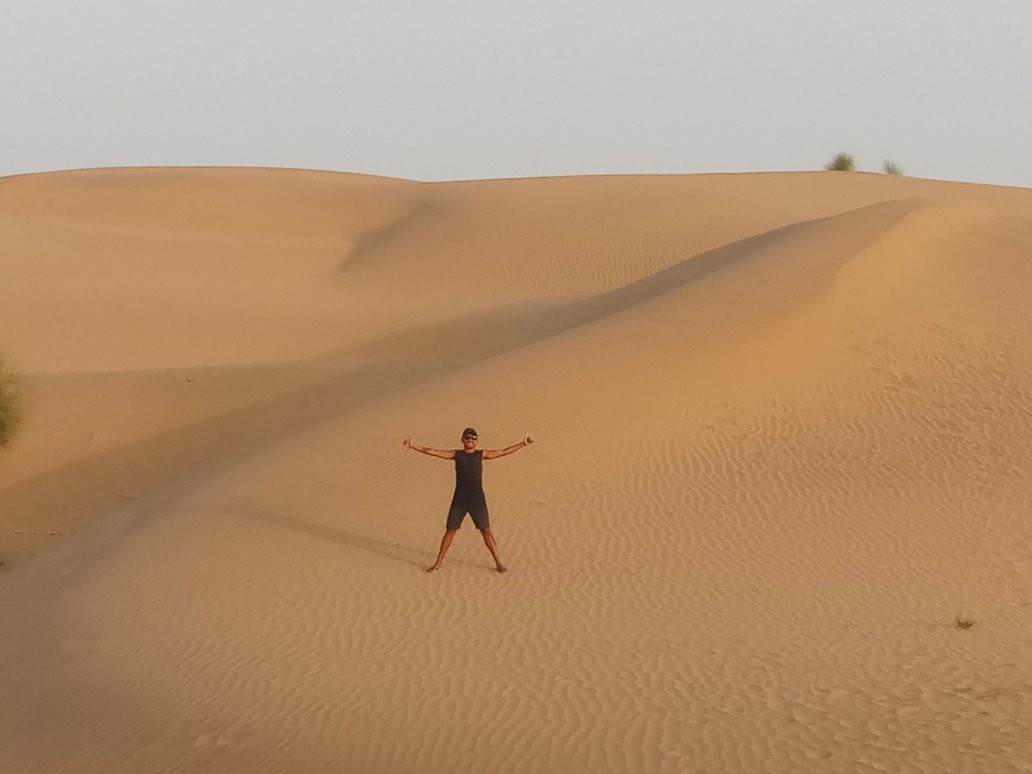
(783, 432)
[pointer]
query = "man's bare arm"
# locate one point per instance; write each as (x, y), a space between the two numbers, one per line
(493, 454)
(444, 454)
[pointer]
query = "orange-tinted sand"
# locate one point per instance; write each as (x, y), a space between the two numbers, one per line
(783, 431)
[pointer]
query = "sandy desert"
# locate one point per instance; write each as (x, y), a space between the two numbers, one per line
(783, 449)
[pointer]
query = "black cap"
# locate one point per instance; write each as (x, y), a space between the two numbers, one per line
(469, 431)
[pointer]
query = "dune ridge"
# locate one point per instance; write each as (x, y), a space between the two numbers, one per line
(783, 429)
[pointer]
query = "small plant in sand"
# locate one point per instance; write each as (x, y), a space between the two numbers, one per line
(10, 403)
(892, 168)
(963, 623)
(842, 162)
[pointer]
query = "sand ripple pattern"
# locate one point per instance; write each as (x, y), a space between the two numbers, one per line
(761, 497)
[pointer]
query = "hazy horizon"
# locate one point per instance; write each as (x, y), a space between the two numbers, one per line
(446, 92)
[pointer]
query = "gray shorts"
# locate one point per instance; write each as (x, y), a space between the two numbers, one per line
(475, 508)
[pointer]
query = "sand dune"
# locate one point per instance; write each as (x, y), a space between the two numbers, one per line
(783, 423)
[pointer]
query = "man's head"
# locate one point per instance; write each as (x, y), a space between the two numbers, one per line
(469, 438)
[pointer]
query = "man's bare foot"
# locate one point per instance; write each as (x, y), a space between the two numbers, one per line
(502, 568)
(435, 568)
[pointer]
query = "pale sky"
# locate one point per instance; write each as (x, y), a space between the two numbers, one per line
(443, 90)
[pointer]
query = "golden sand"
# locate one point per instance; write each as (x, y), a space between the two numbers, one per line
(783, 431)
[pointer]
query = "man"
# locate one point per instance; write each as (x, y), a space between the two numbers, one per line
(469, 490)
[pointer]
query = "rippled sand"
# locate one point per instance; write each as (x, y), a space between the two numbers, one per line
(783, 431)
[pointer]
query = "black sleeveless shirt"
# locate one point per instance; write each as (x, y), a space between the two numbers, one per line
(469, 471)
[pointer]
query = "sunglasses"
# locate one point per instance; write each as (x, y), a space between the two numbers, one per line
(469, 438)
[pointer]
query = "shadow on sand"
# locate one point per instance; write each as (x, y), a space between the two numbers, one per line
(417, 558)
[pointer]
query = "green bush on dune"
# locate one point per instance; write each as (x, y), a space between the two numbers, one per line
(842, 162)
(10, 403)
(892, 168)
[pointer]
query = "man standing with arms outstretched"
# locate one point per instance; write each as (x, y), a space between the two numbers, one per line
(469, 490)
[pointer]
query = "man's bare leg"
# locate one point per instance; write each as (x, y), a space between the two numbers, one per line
(446, 541)
(489, 541)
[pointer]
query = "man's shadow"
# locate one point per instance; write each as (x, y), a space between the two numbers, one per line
(245, 510)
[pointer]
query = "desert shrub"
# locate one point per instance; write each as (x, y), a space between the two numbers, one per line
(892, 168)
(10, 403)
(842, 162)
